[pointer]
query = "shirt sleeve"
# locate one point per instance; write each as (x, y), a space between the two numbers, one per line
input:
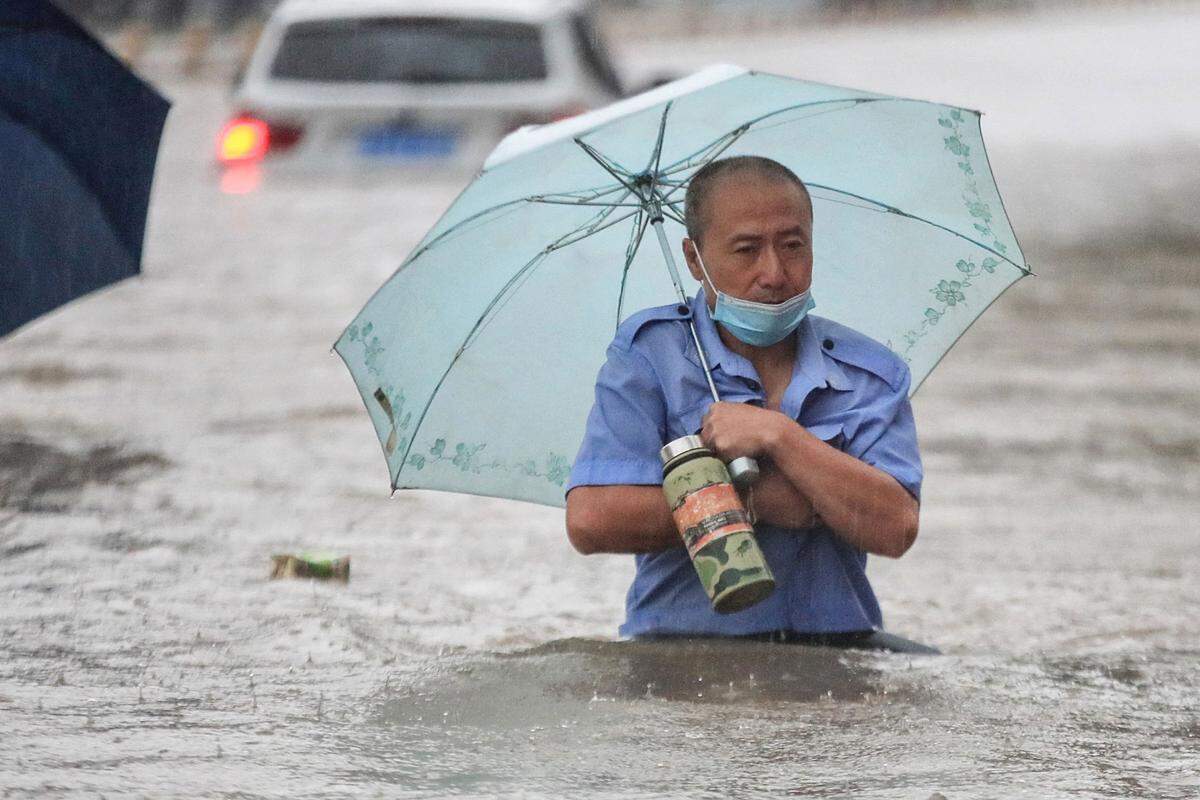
(887, 436)
(626, 426)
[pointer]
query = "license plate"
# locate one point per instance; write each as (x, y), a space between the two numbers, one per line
(408, 143)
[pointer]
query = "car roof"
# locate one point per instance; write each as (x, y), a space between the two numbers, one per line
(516, 10)
(531, 137)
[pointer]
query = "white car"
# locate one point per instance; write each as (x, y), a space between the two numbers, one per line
(373, 83)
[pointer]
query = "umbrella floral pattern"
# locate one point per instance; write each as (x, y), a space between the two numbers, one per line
(950, 292)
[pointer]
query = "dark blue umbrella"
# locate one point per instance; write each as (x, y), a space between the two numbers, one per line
(78, 140)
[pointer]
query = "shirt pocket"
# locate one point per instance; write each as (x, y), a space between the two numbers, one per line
(831, 433)
(689, 422)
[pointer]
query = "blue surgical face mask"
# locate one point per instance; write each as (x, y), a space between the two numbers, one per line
(758, 324)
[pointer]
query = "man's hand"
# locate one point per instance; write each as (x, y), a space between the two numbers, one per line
(733, 430)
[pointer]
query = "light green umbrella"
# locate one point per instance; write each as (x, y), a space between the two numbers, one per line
(477, 358)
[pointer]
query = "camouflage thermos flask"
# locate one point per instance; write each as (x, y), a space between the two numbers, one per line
(715, 526)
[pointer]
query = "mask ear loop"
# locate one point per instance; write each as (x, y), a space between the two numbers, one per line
(713, 286)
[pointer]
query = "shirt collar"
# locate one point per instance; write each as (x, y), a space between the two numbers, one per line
(717, 353)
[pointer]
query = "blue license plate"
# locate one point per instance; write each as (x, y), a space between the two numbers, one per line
(408, 143)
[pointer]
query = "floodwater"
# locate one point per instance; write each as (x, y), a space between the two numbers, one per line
(158, 442)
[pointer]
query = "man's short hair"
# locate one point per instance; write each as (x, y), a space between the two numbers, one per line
(701, 186)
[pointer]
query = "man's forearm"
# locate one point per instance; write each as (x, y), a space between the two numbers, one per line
(620, 519)
(776, 501)
(864, 505)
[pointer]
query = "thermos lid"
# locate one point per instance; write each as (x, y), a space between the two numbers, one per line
(680, 446)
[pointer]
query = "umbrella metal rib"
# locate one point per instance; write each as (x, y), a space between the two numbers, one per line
(650, 210)
(744, 471)
(635, 241)
(652, 200)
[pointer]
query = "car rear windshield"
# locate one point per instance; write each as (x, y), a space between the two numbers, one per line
(411, 50)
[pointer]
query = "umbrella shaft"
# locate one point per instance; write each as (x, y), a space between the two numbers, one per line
(712, 387)
(666, 248)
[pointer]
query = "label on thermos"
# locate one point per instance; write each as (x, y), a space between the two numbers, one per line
(709, 514)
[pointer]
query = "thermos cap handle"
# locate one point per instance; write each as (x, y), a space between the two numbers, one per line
(743, 471)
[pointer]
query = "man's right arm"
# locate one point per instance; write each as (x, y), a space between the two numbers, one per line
(635, 519)
(620, 519)
(615, 501)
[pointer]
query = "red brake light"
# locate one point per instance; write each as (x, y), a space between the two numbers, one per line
(284, 137)
(244, 139)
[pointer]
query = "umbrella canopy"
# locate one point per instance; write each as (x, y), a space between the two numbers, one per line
(477, 358)
(78, 140)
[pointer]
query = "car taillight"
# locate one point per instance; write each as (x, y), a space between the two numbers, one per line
(246, 139)
(243, 139)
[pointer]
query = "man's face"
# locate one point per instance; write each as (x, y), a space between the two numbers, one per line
(758, 241)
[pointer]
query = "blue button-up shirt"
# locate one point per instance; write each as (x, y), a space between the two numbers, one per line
(846, 389)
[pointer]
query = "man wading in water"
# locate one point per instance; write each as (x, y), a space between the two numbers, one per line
(823, 408)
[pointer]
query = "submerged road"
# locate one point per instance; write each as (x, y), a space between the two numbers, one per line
(160, 441)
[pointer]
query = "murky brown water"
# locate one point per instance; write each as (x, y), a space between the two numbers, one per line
(160, 441)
